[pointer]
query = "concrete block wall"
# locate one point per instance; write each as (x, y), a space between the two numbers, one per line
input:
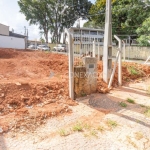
(85, 80)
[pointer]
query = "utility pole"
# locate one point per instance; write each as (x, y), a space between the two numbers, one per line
(107, 50)
(25, 31)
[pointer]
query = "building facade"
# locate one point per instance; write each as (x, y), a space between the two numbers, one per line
(88, 35)
(10, 39)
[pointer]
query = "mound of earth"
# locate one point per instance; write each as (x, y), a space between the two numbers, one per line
(34, 86)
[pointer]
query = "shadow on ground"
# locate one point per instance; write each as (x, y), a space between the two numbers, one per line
(108, 103)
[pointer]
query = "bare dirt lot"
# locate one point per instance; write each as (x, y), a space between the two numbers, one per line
(34, 88)
(32, 85)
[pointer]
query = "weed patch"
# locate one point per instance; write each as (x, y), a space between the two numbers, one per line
(122, 104)
(63, 132)
(112, 123)
(94, 133)
(101, 128)
(147, 112)
(78, 127)
(129, 100)
(148, 90)
(133, 71)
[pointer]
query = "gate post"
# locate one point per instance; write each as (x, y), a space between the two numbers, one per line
(71, 66)
(94, 48)
(120, 63)
(119, 60)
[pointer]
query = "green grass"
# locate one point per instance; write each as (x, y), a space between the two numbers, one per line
(129, 100)
(83, 94)
(78, 127)
(147, 112)
(122, 104)
(133, 71)
(63, 132)
(112, 123)
(148, 90)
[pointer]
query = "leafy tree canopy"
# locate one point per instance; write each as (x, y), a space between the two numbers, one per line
(144, 33)
(127, 15)
(53, 16)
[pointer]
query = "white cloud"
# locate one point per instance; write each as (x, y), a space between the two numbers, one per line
(10, 15)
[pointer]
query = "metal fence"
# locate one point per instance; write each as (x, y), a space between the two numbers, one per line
(88, 48)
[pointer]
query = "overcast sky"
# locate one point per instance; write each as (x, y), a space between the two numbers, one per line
(10, 15)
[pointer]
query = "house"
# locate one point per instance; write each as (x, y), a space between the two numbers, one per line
(9, 39)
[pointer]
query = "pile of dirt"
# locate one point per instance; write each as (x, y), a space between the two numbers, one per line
(32, 82)
(131, 72)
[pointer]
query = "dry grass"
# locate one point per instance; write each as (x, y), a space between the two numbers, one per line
(63, 132)
(139, 135)
(78, 127)
(131, 142)
(147, 112)
(148, 90)
(112, 123)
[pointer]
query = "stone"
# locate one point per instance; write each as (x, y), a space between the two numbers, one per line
(1, 130)
(18, 83)
(2, 95)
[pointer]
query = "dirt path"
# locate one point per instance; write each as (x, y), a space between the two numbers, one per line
(99, 122)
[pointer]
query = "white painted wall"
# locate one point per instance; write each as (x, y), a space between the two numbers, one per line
(12, 42)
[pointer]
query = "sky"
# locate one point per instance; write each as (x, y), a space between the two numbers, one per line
(10, 16)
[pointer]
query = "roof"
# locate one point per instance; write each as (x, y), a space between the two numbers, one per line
(4, 25)
(83, 28)
(16, 35)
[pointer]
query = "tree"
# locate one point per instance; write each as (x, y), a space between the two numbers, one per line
(127, 15)
(91, 24)
(42, 40)
(65, 18)
(144, 33)
(53, 15)
(36, 13)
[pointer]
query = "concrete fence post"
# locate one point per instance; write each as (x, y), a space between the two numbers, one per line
(98, 52)
(120, 63)
(71, 66)
(124, 50)
(94, 48)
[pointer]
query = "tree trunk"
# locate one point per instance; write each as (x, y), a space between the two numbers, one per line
(64, 38)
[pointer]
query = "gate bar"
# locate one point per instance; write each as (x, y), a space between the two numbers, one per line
(71, 70)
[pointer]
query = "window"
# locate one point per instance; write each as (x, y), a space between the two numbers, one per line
(93, 32)
(76, 32)
(85, 32)
(100, 32)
